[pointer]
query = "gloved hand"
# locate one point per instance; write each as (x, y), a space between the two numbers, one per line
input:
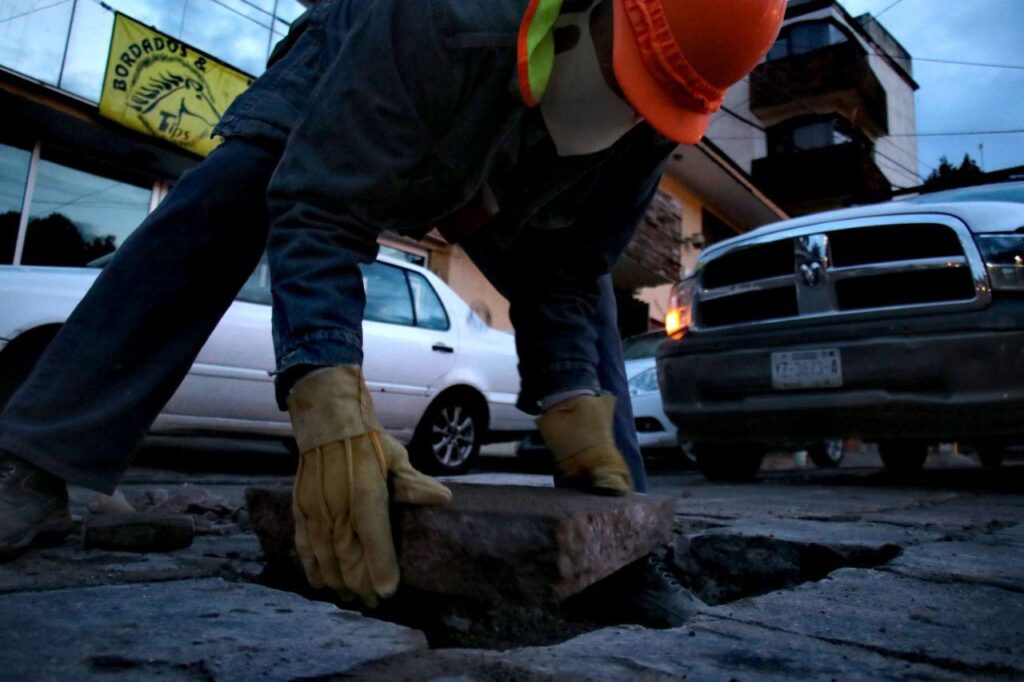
(579, 433)
(340, 500)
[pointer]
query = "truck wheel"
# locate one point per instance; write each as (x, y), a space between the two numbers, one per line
(991, 454)
(734, 463)
(827, 454)
(903, 458)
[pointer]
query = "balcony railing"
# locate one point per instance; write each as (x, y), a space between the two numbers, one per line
(836, 78)
(818, 179)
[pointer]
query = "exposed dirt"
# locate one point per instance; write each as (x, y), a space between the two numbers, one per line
(718, 567)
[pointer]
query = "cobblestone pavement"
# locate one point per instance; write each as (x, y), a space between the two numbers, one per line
(808, 574)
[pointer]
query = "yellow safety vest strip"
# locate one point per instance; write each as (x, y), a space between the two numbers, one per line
(536, 49)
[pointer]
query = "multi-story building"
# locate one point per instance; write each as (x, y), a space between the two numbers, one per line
(828, 119)
(74, 184)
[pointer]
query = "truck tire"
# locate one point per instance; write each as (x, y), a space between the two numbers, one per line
(729, 463)
(903, 458)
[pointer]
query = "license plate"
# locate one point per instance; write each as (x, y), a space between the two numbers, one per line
(807, 369)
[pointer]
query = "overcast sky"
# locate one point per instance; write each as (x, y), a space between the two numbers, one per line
(956, 98)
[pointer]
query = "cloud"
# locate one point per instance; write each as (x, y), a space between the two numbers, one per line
(961, 98)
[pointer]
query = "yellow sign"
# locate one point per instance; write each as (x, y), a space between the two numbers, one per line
(158, 85)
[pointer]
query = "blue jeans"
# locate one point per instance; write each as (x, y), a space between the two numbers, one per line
(127, 346)
(121, 354)
(507, 274)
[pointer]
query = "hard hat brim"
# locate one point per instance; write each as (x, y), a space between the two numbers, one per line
(644, 93)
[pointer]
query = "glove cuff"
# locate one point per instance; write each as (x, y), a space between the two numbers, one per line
(329, 405)
(578, 424)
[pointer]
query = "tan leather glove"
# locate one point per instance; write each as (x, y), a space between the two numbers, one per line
(579, 433)
(340, 500)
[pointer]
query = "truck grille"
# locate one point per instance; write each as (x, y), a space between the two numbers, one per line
(828, 272)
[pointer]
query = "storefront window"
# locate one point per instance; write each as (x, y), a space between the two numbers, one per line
(76, 217)
(32, 37)
(13, 174)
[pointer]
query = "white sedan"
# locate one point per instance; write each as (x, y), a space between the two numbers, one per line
(653, 428)
(442, 380)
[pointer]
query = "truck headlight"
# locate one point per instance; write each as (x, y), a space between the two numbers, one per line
(645, 382)
(1004, 260)
(677, 319)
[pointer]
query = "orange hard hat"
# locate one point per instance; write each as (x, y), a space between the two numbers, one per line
(674, 59)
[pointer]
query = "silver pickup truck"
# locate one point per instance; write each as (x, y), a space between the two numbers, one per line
(900, 323)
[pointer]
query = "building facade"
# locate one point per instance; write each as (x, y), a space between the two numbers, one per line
(828, 119)
(74, 184)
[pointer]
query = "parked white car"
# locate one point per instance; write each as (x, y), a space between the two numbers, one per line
(442, 380)
(653, 427)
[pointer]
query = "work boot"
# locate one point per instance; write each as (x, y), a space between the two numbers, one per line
(33, 505)
(652, 596)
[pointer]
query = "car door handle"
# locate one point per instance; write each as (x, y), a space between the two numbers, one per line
(441, 348)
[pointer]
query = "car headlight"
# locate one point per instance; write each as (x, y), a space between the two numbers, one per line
(1004, 260)
(645, 382)
(677, 319)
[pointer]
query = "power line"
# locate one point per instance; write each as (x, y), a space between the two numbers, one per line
(960, 133)
(957, 133)
(988, 65)
(875, 17)
(802, 104)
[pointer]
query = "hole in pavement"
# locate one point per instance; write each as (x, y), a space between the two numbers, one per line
(723, 567)
(718, 566)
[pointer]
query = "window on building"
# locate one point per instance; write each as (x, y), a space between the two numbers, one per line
(35, 33)
(13, 176)
(387, 294)
(805, 37)
(811, 132)
(76, 217)
(32, 37)
(430, 314)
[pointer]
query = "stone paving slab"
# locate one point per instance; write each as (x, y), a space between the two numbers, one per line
(197, 629)
(815, 502)
(964, 514)
(962, 626)
(705, 650)
(499, 543)
(832, 533)
(69, 566)
(997, 563)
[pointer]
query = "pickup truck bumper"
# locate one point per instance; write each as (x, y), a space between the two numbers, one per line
(937, 385)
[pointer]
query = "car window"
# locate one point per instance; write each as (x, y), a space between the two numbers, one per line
(257, 288)
(387, 294)
(430, 314)
(642, 346)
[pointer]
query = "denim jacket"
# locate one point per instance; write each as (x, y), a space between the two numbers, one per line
(393, 114)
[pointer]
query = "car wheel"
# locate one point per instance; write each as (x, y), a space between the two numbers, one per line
(827, 454)
(991, 454)
(735, 463)
(903, 458)
(449, 436)
(18, 359)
